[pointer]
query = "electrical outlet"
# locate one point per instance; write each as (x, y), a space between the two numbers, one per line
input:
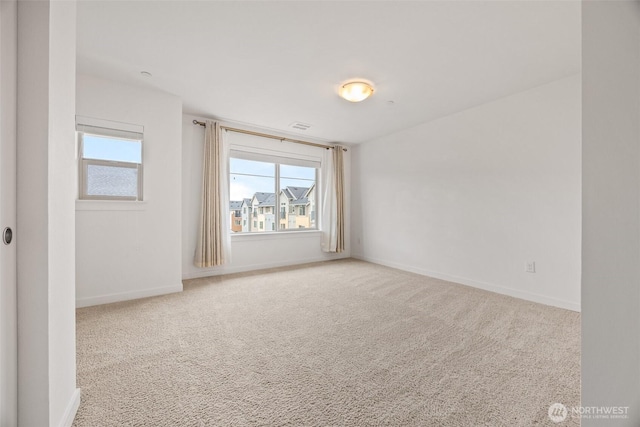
(530, 267)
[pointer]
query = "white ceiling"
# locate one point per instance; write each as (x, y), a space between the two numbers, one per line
(272, 63)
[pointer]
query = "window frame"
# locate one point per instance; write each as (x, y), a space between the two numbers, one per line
(114, 130)
(277, 160)
(84, 166)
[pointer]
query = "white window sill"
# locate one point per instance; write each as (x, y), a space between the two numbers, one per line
(110, 205)
(273, 235)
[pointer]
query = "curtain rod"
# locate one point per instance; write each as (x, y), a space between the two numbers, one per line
(266, 135)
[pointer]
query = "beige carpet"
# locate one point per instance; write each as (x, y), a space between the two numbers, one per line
(343, 343)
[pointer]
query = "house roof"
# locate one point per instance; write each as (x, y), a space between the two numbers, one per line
(234, 205)
(265, 199)
(295, 192)
(309, 190)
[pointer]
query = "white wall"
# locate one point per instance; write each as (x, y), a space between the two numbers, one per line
(471, 197)
(62, 180)
(129, 250)
(611, 211)
(249, 252)
(47, 394)
(8, 297)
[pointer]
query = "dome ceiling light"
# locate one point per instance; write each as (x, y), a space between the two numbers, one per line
(356, 91)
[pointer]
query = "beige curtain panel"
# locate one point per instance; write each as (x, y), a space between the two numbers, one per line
(333, 200)
(214, 241)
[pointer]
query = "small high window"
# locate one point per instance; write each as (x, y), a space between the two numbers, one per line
(110, 157)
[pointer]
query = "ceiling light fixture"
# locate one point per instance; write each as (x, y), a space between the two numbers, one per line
(356, 91)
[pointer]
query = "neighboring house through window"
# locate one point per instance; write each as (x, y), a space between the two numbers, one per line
(260, 182)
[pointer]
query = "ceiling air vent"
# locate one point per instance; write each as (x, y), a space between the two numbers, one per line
(299, 126)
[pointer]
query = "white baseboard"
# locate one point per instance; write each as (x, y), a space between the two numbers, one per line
(126, 296)
(71, 410)
(218, 271)
(529, 296)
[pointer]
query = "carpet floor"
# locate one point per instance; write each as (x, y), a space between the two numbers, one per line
(341, 343)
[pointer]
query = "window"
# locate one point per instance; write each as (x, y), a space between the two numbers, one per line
(272, 181)
(110, 160)
(298, 185)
